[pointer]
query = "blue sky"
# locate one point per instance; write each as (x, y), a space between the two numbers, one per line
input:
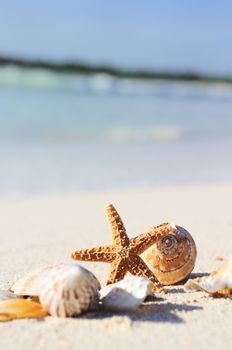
(174, 34)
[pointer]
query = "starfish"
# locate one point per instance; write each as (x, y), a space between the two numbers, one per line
(123, 253)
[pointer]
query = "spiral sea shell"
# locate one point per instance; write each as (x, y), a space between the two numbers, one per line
(64, 290)
(173, 257)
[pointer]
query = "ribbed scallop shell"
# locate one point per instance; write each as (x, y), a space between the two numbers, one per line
(69, 291)
(63, 289)
(173, 257)
(218, 283)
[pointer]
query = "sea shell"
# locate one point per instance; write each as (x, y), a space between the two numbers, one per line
(30, 284)
(218, 283)
(69, 292)
(63, 289)
(173, 257)
(127, 294)
(20, 308)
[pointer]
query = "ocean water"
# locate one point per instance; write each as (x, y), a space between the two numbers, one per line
(67, 133)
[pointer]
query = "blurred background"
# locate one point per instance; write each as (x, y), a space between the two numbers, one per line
(98, 95)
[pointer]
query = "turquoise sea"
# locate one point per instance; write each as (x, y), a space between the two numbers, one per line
(69, 133)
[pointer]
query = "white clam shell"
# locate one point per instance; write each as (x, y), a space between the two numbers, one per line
(69, 291)
(219, 282)
(126, 295)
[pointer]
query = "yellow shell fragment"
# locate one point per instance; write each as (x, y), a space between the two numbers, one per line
(218, 283)
(20, 308)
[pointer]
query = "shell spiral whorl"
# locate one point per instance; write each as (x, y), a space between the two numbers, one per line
(173, 257)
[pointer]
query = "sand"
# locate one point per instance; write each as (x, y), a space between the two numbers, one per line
(40, 230)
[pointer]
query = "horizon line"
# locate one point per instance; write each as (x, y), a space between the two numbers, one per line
(78, 67)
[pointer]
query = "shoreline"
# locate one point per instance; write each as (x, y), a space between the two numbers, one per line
(122, 166)
(116, 191)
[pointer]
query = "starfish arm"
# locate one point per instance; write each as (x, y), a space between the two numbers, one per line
(137, 267)
(104, 254)
(119, 236)
(142, 242)
(118, 270)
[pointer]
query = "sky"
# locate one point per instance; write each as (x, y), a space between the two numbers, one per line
(193, 35)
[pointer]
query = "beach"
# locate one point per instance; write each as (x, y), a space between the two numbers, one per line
(128, 104)
(43, 229)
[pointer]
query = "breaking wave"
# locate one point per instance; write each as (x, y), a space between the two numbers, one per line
(105, 84)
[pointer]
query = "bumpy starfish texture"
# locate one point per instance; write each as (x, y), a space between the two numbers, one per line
(123, 253)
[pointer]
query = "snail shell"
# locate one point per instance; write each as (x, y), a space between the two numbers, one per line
(173, 257)
(64, 290)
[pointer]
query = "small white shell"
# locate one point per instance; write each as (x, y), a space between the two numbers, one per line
(6, 295)
(69, 291)
(218, 282)
(127, 294)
